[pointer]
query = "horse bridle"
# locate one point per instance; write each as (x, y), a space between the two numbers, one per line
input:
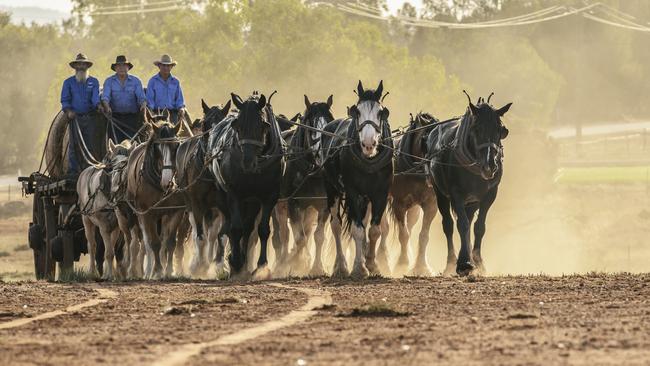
(165, 141)
(258, 143)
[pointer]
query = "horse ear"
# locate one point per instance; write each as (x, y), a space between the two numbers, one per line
(353, 111)
(501, 111)
(359, 89)
(226, 108)
(330, 101)
(237, 100)
(111, 146)
(307, 102)
(205, 106)
(262, 102)
(296, 117)
(380, 90)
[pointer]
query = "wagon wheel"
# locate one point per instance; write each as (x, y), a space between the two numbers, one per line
(43, 261)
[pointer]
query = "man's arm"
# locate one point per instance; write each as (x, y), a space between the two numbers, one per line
(106, 96)
(180, 100)
(151, 94)
(94, 97)
(140, 98)
(66, 100)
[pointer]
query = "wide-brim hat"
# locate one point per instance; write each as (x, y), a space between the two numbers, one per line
(81, 59)
(121, 60)
(165, 60)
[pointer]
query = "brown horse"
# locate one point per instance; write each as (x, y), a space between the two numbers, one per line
(150, 193)
(411, 189)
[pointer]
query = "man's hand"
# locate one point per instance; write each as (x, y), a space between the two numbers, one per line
(70, 114)
(106, 107)
(181, 114)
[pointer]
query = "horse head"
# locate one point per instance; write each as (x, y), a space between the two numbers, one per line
(251, 127)
(486, 132)
(118, 156)
(317, 115)
(369, 116)
(164, 142)
(213, 115)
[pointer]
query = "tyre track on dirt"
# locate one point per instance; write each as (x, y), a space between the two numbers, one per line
(316, 299)
(104, 296)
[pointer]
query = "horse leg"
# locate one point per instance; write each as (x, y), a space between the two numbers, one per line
(236, 257)
(262, 272)
(123, 225)
(171, 228)
(300, 222)
(421, 264)
(317, 269)
(479, 229)
(280, 237)
(358, 206)
(89, 230)
(152, 244)
(198, 236)
(224, 230)
(382, 251)
(374, 232)
(340, 265)
(109, 250)
(464, 264)
(448, 228)
(179, 237)
(403, 260)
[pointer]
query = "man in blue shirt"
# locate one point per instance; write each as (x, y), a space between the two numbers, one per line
(123, 98)
(79, 101)
(164, 91)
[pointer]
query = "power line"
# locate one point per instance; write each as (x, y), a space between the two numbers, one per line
(535, 17)
(140, 4)
(137, 11)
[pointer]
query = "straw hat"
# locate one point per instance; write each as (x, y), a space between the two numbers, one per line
(165, 60)
(81, 59)
(121, 60)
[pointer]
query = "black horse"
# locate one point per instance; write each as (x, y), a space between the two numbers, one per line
(359, 170)
(303, 189)
(248, 164)
(200, 192)
(466, 166)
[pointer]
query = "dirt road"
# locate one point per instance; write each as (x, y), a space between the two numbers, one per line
(578, 320)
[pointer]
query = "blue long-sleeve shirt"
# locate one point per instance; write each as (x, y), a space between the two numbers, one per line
(125, 98)
(163, 94)
(80, 97)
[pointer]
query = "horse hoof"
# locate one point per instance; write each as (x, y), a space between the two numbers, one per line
(421, 271)
(262, 274)
(402, 265)
(241, 276)
(373, 269)
(317, 272)
(360, 272)
(340, 271)
(463, 269)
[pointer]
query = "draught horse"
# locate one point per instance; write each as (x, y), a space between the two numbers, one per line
(466, 167)
(359, 170)
(247, 165)
(150, 193)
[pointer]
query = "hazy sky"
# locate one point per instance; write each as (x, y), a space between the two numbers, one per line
(66, 6)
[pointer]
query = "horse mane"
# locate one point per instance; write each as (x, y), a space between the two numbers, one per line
(368, 95)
